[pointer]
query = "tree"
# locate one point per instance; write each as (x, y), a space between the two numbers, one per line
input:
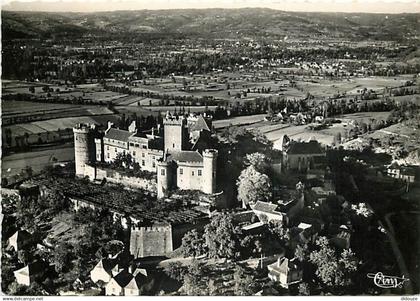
(212, 288)
(123, 160)
(258, 160)
(221, 237)
(304, 289)
(62, 257)
(25, 255)
(281, 232)
(193, 244)
(243, 282)
(302, 252)
(192, 279)
(114, 247)
(16, 289)
(333, 271)
(7, 269)
(253, 186)
(175, 271)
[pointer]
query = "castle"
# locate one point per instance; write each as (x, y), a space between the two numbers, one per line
(179, 154)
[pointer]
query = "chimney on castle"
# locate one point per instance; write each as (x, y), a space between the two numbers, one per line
(133, 127)
(110, 125)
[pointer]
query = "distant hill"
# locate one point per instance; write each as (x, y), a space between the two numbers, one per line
(216, 23)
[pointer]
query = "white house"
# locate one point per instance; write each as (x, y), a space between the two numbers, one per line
(133, 288)
(30, 273)
(116, 285)
(285, 271)
(104, 270)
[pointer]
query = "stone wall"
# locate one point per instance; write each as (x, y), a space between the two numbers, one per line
(151, 241)
(113, 176)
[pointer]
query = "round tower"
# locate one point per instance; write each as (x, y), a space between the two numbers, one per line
(84, 149)
(209, 171)
(163, 178)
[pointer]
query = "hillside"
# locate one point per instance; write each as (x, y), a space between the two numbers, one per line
(232, 23)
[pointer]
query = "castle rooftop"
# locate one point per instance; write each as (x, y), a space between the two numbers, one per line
(117, 134)
(186, 156)
(201, 124)
(302, 148)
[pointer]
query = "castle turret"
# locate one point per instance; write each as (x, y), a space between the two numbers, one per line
(175, 132)
(164, 177)
(209, 171)
(84, 147)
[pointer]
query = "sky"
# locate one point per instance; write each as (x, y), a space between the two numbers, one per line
(369, 6)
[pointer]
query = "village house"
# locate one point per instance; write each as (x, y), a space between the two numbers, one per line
(341, 239)
(300, 156)
(104, 270)
(405, 173)
(126, 283)
(304, 233)
(134, 287)
(285, 271)
(20, 240)
(33, 272)
(267, 212)
(115, 286)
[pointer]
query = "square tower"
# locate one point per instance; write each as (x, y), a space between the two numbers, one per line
(175, 132)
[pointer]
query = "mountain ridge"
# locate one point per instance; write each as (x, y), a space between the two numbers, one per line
(249, 22)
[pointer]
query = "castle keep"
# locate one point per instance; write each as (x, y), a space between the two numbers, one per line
(179, 153)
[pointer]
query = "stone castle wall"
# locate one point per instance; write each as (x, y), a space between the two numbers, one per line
(151, 241)
(113, 176)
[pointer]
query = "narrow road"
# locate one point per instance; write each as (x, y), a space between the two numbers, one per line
(397, 252)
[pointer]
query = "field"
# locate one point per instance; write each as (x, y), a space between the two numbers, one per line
(237, 121)
(25, 111)
(38, 160)
(364, 116)
(353, 86)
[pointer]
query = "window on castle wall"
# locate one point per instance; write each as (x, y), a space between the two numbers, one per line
(142, 154)
(162, 172)
(181, 171)
(173, 145)
(107, 155)
(115, 149)
(153, 165)
(134, 153)
(192, 173)
(107, 147)
(142, 163)
(199, 172)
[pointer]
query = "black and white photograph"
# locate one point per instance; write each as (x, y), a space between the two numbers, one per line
(210, 148)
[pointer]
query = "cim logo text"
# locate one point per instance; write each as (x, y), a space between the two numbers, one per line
(385, 281)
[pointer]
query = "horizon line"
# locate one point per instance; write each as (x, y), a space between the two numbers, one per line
(308, 6)
(208, 8)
